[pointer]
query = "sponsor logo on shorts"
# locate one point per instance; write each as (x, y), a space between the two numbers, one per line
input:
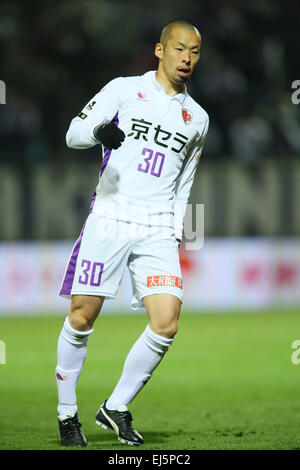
(82, 115)
(157, 281)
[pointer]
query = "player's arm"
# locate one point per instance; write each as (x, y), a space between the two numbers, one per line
(186, 178)
(93, 125)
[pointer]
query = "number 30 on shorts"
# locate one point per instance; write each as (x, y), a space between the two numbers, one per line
(91, 276)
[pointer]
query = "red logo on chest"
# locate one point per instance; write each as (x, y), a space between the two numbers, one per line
(187, 115)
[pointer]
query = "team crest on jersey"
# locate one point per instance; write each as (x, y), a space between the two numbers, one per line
(187, 115)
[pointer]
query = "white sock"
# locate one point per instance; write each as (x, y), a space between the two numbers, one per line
(71, 354)
(143, 358)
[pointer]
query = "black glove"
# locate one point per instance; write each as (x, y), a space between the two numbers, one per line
(109, 135)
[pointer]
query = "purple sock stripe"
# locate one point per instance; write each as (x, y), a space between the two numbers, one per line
(107, 152)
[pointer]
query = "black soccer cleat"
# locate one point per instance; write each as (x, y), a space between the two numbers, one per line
(119, 421)
(70, 432)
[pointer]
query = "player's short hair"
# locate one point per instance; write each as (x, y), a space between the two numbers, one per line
(166, 33)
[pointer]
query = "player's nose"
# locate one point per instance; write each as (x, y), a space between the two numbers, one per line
(187, 59)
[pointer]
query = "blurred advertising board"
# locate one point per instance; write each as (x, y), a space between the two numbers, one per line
(226, 274)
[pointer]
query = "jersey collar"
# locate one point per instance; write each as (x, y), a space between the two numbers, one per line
(150, 76)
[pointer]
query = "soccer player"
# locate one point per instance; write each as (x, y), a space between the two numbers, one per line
(152, 133)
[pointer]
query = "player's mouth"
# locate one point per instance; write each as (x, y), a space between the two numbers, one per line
(184, 72)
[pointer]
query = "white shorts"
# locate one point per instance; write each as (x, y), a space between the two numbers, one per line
(104, 249)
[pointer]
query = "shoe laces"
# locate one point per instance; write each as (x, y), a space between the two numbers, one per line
(126, 417)
(72, 425)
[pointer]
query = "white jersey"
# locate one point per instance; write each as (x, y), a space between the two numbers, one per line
(151, 174)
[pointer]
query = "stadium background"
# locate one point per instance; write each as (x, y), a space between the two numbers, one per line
(54, 57)
(249, 175)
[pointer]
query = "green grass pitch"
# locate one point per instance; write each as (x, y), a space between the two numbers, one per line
(227, 382)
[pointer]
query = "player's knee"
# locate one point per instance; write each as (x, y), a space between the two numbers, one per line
(171, 330)
(79, 321)
(167, 330)
(81, 318)
(83, 313)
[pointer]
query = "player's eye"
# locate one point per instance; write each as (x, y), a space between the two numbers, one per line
(196, 52)
(178, 49)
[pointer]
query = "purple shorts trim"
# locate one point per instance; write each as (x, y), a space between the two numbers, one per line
(69, 276)
(70, 273)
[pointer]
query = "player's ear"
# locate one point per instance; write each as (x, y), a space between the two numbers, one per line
(159, 50)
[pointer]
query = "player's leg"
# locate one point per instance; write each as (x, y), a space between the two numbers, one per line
(71, 354)
(143, 358)
(84, 311)
(72, 348)
(161, 294)
(156, 277)
(163, 312)
(93, 273)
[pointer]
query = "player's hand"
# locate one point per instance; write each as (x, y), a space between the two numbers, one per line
(109, 135)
